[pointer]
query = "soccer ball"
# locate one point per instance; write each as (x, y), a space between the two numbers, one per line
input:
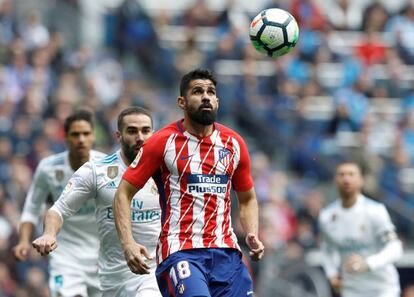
(274, 32)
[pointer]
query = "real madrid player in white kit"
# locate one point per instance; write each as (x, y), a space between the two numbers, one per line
(98, 181)
(74, 265)
(359, 242)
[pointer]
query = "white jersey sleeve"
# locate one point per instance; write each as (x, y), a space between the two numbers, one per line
(330, 256)
(386, 235)
(80, 188)
(34, 204)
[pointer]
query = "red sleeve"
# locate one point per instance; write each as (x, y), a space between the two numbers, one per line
(242, 179)
(148, 160)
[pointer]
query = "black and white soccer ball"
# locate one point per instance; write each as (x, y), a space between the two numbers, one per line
(274, 32)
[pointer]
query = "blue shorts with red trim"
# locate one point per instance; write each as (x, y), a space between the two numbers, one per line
(204, 273)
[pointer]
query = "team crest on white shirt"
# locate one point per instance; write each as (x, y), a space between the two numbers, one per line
(112, 171)
(59, 175)
(137, 158)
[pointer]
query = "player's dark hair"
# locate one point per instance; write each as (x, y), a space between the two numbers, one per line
(132, 110)
(199, 73)
(353, 162)
(79, 115)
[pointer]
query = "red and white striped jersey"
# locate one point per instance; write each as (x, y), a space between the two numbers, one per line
(194, 176)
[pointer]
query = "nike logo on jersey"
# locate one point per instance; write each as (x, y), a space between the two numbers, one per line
(183, 158)
(249, 293)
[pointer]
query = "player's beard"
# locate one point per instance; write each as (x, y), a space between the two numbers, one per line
(129, 151)
(203, 117)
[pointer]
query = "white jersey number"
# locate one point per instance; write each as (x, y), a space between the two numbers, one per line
(183, 269)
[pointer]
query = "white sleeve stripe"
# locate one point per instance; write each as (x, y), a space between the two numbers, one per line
(28, 217)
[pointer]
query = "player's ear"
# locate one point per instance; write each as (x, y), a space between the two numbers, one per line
(118, 135)
(181, 102)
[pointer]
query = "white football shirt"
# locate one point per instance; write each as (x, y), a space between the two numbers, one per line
(98, 181)
(360, 230)
(78, 238)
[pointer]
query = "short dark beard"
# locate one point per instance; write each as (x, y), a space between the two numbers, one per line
(128, 152)
(203, 117)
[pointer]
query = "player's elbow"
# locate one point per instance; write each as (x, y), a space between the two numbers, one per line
(398, 250)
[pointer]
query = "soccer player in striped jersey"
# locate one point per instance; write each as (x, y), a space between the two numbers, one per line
(359, 242)
(74, 265)
(97, 181)
(195, 162)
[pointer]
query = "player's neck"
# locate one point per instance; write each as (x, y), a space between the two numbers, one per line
(349, 200)
(197, 129)
(76, 161)
(124, 158)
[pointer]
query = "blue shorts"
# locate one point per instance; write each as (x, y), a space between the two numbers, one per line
(204, 273)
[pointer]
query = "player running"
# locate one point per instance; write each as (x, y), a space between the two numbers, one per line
(359, 243)
(74, 265)
(97, 181)
(195, 162)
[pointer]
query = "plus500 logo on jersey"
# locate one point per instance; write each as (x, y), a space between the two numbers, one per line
(207, 183)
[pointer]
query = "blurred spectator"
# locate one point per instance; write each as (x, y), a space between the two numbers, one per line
(401, 29)
(374, 18)
(198, 14)
(190, 56)
(351, 105)
(371, 49)
(7, 23)
(344, 14)
(408, 292)
(308, 14)
(33, 31)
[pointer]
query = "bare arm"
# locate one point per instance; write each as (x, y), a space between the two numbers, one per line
(249, 219)
(122, 211)
(21, 250)
(47, 242)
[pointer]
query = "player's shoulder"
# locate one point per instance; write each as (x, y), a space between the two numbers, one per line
(163, 134)
(371, 205)
(329, 210)
(229, 132)
(226, 130)
(107, 159)
(53, 160)
(97, 155)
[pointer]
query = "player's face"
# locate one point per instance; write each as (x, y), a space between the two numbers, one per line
(349, 179)
(80, 138)
(201, 102)
(135, 130)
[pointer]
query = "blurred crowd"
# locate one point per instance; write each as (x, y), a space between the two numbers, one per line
(346, 91)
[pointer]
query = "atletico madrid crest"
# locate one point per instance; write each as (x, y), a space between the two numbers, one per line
(224, 156)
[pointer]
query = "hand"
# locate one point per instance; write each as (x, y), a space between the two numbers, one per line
(133, 255)
(21, 251)
(256, 247)
(45, 244)
(355, 264)
(336, 283)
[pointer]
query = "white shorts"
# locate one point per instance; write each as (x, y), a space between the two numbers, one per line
(134, 285)
(70, 282)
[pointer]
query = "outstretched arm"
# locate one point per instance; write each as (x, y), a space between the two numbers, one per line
(122, 210)
(47, 242)
(21, 250)
(249, 219)
(79, 189)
